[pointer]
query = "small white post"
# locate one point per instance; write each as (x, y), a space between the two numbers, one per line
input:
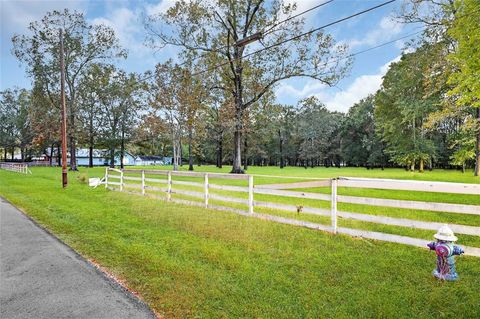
(250, 194)
(334, 205)
(143, 182)
(106, 177)
(121, 181)
(206, 189)
(169, 185)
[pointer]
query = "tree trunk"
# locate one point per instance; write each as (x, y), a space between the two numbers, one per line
(50, 160)
(412, 166)
(190, 158)
(220, 151)
(5, 153)
(421, 166)
(180, 153)
(73, 155)
(122, 148)
(237, 146)
(237, 137)
(477, 145)
(59, 155)
(245, 152)
(282, 162)
(90, 154)
(112, 157)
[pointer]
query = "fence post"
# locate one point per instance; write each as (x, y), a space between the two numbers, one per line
(143, 182)
(169, 185)
(250, 194)
(334, 205)
(121, 181)
(206, 189)
(106, 177)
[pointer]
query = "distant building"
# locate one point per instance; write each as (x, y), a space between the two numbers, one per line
(144, 160)
(99, 158)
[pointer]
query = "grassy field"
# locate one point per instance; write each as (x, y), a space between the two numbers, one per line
(194, 262)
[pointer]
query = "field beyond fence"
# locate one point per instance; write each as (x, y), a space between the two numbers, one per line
(211, 190)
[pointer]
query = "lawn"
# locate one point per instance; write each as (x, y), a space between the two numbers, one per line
(194, 262)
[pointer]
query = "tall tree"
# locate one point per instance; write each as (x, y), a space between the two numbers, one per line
(360, 144)
(402, 108)
(465, 78)
(84, 44)
(215, 29)
(15, 127)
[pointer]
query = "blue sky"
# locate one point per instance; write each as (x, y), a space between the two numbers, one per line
(124, 16)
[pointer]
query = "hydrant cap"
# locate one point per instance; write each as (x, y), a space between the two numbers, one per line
(445, 233)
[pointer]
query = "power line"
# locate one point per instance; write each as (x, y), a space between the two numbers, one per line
(374, 47)
(301, 35)
(269, 30)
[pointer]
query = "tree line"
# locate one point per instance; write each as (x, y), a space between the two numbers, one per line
(216, 104)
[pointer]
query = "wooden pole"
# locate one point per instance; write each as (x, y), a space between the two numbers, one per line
(64, 113)
(334, 205)
(250, 194)
(206, 189)
(143, 182)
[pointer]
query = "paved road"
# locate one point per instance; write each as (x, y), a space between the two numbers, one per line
(42, 278)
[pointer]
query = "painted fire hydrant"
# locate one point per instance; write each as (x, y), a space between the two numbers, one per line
(445, 250)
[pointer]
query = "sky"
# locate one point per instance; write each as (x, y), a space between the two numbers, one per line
(125, 17)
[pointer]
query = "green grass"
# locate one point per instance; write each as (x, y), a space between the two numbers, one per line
(194, 262)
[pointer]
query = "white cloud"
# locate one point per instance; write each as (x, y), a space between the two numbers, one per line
(16, 16)
(161, 7)
(341, 101)
(361, 87)
(128, 28)
(384, 31)
(311, 87)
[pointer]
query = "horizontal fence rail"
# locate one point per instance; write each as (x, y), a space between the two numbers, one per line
(421, 186)
(16, 167)
(138, 184)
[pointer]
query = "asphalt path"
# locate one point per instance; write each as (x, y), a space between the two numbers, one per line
(40, 277)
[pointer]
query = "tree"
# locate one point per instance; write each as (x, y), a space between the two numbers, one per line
(90, 108)
(84, 44)
(120, 96)
(402, 108)
(360, 143)
(15, 128)
(179, 97)
(318, 130)
(465, 76)
(214, 29)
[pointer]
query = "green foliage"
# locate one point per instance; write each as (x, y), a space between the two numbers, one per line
(360, 144)
(402, 108)
(15, 127)
(465, 31)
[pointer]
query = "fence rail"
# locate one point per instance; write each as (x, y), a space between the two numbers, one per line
(333, 198)
(16, 167)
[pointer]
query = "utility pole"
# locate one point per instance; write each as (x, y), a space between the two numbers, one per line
(64, 112)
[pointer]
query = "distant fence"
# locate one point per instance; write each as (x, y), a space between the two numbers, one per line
(16, 167)
(121, 183)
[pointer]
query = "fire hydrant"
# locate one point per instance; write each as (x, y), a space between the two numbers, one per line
(445, 250)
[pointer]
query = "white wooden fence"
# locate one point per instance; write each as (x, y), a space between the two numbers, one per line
(16, 167)
(121, 184)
